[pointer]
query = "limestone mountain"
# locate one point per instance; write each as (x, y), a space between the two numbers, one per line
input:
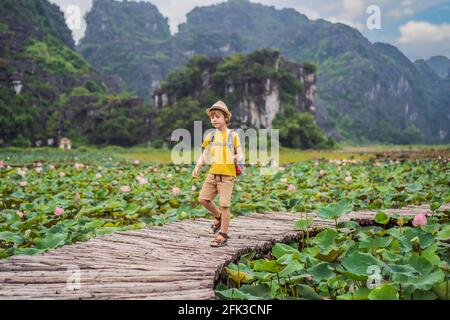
(47, 90)
(262, 89)
(131, 40)
(439, 102)
(440, 65)
(366, 91)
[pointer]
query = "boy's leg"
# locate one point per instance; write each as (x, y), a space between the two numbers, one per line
(226, 213)
(225, 190)
(207, 194)
(209, 205)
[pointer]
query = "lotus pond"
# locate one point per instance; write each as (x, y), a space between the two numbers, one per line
(47, 202)
(395, 258)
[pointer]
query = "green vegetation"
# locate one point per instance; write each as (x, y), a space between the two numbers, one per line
(62, 95)
(248, 76)
(87, 186)
(298, 130)
(57, 59)
(310, 67)
(391, 260)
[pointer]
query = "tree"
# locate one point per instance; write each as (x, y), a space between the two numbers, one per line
(298, 130)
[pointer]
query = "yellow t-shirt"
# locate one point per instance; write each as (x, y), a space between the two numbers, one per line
(220, 154)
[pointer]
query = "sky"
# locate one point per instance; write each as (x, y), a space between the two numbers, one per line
(419, 28)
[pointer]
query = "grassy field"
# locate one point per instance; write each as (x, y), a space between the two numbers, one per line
(294, 155)
(163, 156)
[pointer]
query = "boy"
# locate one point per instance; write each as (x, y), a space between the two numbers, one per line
(222, 173)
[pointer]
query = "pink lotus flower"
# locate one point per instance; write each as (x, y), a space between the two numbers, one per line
(292, 188)
(78, 166)
(52, 167)
(2, 164)
(176, 190)
(98, 176)
(38, 164)
(136, 162)
(38, 169)
(142, 180)
(193, 188)
(322, 172)
(348, 179)
(419, 220)
(22, 172)
(23, 183)
(274, 164)
(125, 188)
(19, 213)
(59, 211)
(62, 174)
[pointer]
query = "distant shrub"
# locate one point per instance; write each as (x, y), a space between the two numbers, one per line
(21, 142)
(310, 67)
(56, 57)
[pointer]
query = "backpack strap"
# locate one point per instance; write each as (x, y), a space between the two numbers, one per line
(230, 143)
(213, 135)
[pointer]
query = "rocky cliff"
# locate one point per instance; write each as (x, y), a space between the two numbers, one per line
(440, 65)
(131, 40)
(258, 85)
(47, 90)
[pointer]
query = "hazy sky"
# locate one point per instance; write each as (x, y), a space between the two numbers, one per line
(419, 28)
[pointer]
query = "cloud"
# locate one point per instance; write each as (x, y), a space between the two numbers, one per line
(354, 24)
(82, 6)
(176, 11)
(421, 40)
(406, 9)
(353, 9)
(423, 32)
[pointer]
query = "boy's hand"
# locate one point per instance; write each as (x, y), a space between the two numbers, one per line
(238, 157)
(195, 172)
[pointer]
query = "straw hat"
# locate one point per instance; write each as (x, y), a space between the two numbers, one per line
(219, 105)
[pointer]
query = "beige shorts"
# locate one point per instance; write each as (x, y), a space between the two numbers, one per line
(218, 184)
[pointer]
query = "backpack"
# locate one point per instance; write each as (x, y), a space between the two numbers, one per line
(238, 165)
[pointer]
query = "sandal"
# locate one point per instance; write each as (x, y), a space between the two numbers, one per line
(215, 226)
(216, 242)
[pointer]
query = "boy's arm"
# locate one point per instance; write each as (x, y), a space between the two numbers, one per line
(239, 155)
(200, 162)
